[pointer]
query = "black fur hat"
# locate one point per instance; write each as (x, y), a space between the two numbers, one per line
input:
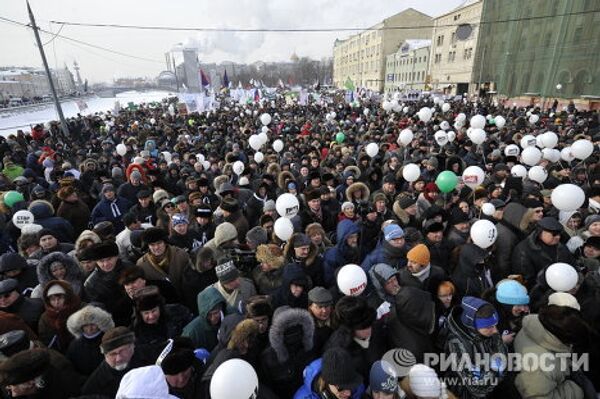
(354, 313)
(154, 234)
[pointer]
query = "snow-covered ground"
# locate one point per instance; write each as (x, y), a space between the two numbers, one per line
(23, 120)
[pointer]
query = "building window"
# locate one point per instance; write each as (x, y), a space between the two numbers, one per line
(440, 40)
(453, 38)
(425, 58)
(457, 17)
(451, 56)
(438, 58)
(577, 34)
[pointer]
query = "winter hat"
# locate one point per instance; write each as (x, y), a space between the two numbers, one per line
(424, 382)
(471, 306)
(12, 261)
(108, 187)
(258, 306)
(159, 195)
(269, 206)
(532, 203)
(320, 296)
(355, 313)
(24, 366)
(46, 232)
(593, 242)
(270, 254)
(89, 315)
(337, 369)
(591, 219)
(405, 201)
(312, 194)
(383, 377)
(511, 292)
(179, 218)
(147, 298)
(115, 338)
(144, 383)
(432, 226)
(65, 192)
(315, 228)
(257, 235)
(392, 231)
(225, 232)
(550, 224)
(564, 299)
(116, 172)
(55, 289)
(300, 240)
(14, 341)
(136, 175)
(103, 250)
(153, 235)
(419, 254)
(179, 357)
(8, 285)
(347, 205)
(144, 193)
(203, 211)
(243, 181)
(226, 271)
(230, 205)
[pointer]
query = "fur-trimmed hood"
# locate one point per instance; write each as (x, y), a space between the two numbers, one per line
(313, 252)
(73, 274)
(220, 180)
(273, 169)
(243, 333)
(283, 177)
(366, 193)
(400, 213)
(89, 315)
(86, 235)
(354, 169)
(41, 209)
(285, 319)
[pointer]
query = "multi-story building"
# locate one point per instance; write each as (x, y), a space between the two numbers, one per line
(362, 57)
(548, 49)
(24, 82)
(63, 81)
(408, 68)
(453, 47)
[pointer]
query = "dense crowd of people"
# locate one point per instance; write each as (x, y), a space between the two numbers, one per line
(148, 249)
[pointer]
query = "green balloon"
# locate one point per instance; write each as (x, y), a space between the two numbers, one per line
(340, 137)
(12, 197)
(446, 181)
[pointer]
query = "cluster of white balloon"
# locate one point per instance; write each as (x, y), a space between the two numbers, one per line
(287, 207)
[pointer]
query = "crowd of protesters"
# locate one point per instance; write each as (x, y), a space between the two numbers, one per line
(147, 249)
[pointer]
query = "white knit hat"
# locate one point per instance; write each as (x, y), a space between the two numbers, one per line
(144, 383)
(347, 204)
(424, 382)
(563, 299)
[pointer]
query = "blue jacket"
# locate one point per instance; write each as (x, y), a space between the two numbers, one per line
(310, 373)
(335, 257)
(102, 212)
(382, 254)
(43, 214)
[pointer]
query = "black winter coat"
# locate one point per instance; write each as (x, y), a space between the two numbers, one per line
(103, 287)
(85, 354)
(471, 276)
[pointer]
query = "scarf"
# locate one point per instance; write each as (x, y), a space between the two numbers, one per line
(232, 298)
(392, 252)
(363, 343)
(160, 263)
(423, 274)
(115, 209)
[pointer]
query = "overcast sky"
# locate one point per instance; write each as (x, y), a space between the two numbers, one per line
(17, 46)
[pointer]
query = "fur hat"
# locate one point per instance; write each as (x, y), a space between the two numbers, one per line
(354, 312)
(258, 306)
(115, 338)
(225, 232)
(270, 254)
(102, 250)
(338, 369)
(315, 228)
(312, 194)
(65, 192)
(358, 186)
(89, 315)
(245, 331)
(380, 197)
(154, 234)
(159, 195)
(230, 205)
(24, 366)
(180, 357)
(257, 235)
(148, 298)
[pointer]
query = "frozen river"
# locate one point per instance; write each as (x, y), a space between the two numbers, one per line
(10, 123)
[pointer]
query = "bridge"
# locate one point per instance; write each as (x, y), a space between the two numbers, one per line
(108, 92)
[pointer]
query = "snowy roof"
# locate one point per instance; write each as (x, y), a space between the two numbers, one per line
(414, 44)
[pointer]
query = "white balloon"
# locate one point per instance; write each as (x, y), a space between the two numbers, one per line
(333, 114)
(238, 167)
(528, 114)
(22, 218)
(539, 142)
(500, 121)
(483, 233)
(263, 138)
(451, 136)
(538, 174)
(561, 277)
(278, 145)
(461, 117)
(372, 149)
(352, 280)
(287, 205)
(283, 228)
(234, 379)
(534, 118)
(478, 122)
(527, 141)
(581, 149)
(489, 117)
(567, 197)
(366, 111)
(386, 105)
(531, 156)
(441, 138)
(551, 155)
(264, 129)
(566, 155)
(436, 100)
(512, 150)
(550, 139)
(200, 158)
(444, 125)
(152, 121)
(411, 172)
(265, 119)
(206, 165)
(405, 137)
(121, 149)
(259, 156)
(477, 136)
(424, 114)
(473, 176)
(255, 142)
(558, 86)
(518, 171)
(445, 107)
(488, 209)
